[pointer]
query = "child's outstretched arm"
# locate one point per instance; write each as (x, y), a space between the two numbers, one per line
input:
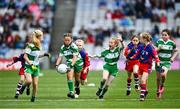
(45, 54)
(14, 60)
(8, 65)
(94, 56)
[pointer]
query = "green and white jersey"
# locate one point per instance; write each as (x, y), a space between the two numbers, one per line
(69, 51)
(33, 54)
(167, 50)
(111, 57)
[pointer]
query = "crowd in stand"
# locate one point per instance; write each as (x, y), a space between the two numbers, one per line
(18, 18)
(123, 14)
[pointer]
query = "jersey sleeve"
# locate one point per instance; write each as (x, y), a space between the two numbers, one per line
(61, 51)
(154, 54)
(174, 45)
(126, 52)
(157, 43)
(28, 49)
(75, 50)
(15, 59)
(102, 54)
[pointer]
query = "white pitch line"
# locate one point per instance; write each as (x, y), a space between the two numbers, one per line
(51, 100)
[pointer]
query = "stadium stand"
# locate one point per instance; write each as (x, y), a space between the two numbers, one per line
(97, 20)
(20, 17)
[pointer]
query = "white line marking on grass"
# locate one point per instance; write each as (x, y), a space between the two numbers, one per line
(51, 100)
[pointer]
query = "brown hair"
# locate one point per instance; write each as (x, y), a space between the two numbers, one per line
(134, 36)
(146, 36)
(68, 35)
(167, 31)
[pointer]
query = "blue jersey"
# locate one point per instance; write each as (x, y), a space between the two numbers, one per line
(20, 59)
(85, 57)
(147, 54)
(134, 50)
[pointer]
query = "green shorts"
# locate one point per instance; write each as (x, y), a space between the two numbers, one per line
(165, 64)
(77, 68)
(34, 73)
(112, 69)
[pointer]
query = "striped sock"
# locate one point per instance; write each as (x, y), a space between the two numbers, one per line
(136, 79)
(128, 83)
(143, 89)
(19, 86)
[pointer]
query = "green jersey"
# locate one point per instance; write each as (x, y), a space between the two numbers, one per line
(166, 51)
(111, 57)
(69, 52)
(33, 54)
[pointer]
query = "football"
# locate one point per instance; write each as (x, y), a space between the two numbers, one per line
(62, 68)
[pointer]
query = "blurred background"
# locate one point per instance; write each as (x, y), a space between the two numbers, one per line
(95, 21)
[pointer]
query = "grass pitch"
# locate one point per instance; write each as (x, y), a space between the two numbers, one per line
(53, 92)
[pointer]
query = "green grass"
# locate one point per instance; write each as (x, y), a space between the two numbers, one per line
(53, 93)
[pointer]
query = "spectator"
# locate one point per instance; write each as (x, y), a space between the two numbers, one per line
(163, 18)
(3, 50)
(18, 43)
(108, 15)
(118, 14)
(155, 18)
(99, 37)
(102, 3)
(9, 40)
(90, 38)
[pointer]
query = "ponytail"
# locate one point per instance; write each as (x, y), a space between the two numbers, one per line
(35, 38)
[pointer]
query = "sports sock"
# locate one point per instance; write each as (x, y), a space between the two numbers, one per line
(19, 86)
(163, 80)
(71, 86)
(143, 89)
(102, 84)
(77, 84)
(136, 79)
(104, 91)
(128, 83)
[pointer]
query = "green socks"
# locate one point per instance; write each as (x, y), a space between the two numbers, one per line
(71, 86)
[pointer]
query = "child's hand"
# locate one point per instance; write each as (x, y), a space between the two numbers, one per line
(160, 47)
(85, 70)
(47, 54)
(119, 37)
(8, 65)
(172, 60)
(34, 67)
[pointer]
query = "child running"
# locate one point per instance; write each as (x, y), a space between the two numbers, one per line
(147, 54)
(32, 68)
(167, 52)
(84, 55)
(21, 74)
(132, 63)
(74, 62)
(110, 69)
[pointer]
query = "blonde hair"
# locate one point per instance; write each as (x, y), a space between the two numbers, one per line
(35, 38)
(115, 40)
(146, 36)
(80, 41)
